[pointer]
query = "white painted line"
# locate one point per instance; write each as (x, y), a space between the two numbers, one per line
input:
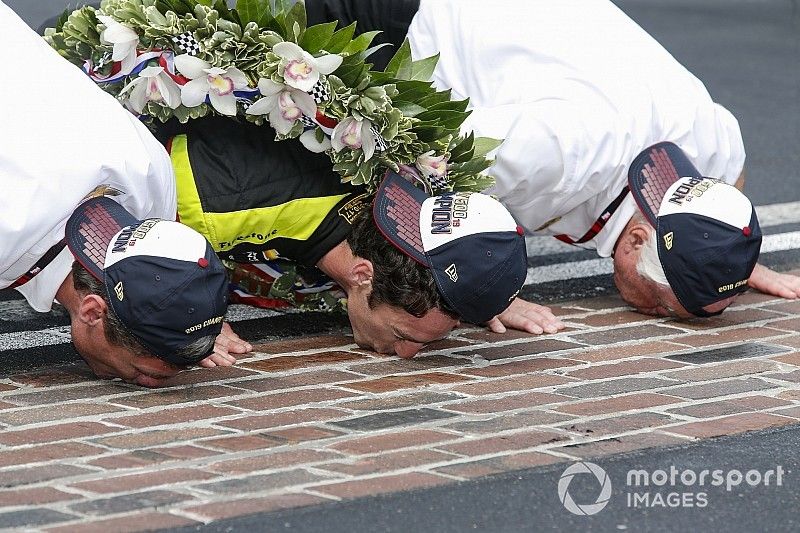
(594, 267)
(564, 271)
(239, 312)
(780, 242)
(776, 214)
(19, 340)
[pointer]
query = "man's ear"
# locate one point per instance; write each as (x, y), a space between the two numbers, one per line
(633, 238)
(360, 273)
(92, 310)
(639, 235)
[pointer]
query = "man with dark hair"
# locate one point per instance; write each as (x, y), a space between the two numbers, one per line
(259, 201)
(62, 160)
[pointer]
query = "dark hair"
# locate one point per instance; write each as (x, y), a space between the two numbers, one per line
(116, 332)
(398, 280)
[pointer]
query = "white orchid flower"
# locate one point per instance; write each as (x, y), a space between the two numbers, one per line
(431, 166)
(354, 134)
(124, 40)
(215, 83)
(153, 85)
(309, 140)
(284, 105)
(301, 70)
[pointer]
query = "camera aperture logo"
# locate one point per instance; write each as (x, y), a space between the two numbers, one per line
(587, 509)
(667, 487)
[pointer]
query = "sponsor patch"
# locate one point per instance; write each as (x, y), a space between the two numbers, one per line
(351, 209)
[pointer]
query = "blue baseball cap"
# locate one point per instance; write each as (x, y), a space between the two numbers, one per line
(164, 281)
(470, 242)
(707, 231)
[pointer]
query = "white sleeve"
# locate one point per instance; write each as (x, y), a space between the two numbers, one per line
(544, 167)
(62, 138)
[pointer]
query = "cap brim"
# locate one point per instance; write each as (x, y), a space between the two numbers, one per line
(90, 229)
(396, 211)
(653, 172)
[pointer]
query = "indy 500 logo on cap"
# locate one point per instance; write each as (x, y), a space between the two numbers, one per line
(448, 212)
(690, 188)
(128, 236)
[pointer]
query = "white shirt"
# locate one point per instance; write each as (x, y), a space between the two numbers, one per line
(577, 90)
(61, 138)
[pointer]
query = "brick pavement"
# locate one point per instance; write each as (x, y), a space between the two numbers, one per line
(316, 420)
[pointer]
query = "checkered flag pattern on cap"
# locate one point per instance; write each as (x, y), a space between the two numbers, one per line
(187, 43)
(396, 210)
(321, 92)
(653, 172)
(91, 228)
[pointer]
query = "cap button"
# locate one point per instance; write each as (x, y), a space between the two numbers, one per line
(746, 231)
(520, 231)
(203, 262)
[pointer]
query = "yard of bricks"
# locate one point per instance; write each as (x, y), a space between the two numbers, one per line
(316, 419)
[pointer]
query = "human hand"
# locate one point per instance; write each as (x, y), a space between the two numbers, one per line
(526, 316)
(227, 344)
(774, 283)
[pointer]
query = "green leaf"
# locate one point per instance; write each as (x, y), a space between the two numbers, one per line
(360, 43)
(413, 91)
(423, 69)
(432, 99)
(429, 131)
(282, 7)
(375, 48)
(449, 119)
(257, 11)
(409, 109)
(341, 38)
(463, 148)
(475, 183)
(317, 37)
(62, 20)
(296, 16)
(451, 105)
(475, 166)
(352, 70)
(484, 145)
(226, 13)
(400, 62)
(178, 6)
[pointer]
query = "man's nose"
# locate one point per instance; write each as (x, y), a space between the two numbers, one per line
(407, 349)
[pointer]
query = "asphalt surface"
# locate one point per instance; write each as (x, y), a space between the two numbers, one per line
(748, 54)
(528, 500)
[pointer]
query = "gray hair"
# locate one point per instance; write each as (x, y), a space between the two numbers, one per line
(116, 332)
